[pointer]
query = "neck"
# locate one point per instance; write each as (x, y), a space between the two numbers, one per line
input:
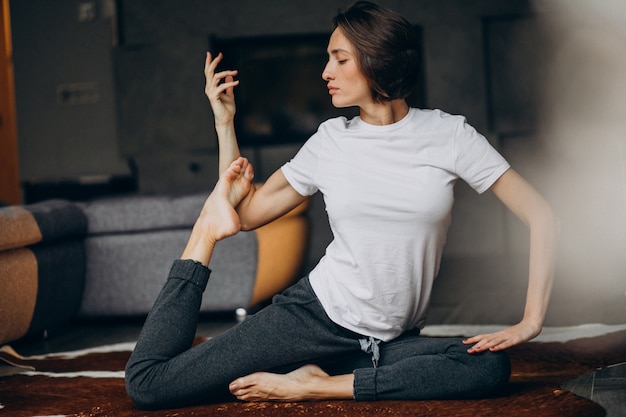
(386, 113)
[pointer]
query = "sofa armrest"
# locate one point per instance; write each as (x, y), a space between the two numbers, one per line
(282, 247)
(42, 267)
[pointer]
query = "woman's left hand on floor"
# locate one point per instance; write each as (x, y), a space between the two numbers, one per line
(504, 339)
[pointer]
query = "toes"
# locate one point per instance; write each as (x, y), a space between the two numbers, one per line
(235, 386)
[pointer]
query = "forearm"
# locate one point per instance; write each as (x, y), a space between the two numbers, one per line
(219, 90)
(543, 241)
(227, 143)
(531, 208)
(251, 213)
(543, 237)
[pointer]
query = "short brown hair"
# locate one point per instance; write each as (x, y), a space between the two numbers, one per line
(387, 48)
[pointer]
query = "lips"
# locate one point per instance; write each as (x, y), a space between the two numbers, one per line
(332, 89)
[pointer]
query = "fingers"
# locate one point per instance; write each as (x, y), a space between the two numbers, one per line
(495, 341)
(215, 87)
(230, 83)
(492, 343)
(210, 64)
(218, 83)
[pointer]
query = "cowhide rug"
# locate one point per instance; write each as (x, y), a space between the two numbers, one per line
(90, 383)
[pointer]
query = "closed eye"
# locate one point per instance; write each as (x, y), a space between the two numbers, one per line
(341, 55)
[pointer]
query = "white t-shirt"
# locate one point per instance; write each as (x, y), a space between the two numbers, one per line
(388, 192)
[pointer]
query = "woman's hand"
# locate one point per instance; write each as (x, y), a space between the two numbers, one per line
(504, 339)
(219, 90)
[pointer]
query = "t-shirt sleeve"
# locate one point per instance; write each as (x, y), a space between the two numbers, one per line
(300, 170)
(476, 161)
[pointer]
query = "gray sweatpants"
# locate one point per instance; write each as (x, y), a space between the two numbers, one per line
(165, 371)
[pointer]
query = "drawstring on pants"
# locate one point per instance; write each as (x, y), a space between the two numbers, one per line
(370, 345)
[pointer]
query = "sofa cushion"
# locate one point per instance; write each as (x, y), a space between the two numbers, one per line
(142, 213)
(125, 272)
(132, 242)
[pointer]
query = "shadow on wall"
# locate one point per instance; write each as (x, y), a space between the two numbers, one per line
(584, 135)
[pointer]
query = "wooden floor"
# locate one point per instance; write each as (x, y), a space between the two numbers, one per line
(605, 386)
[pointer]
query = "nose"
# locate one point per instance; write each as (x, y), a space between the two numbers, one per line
(326, 74)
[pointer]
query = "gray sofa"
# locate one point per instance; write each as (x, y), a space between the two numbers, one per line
(109, 257)
(131, 243)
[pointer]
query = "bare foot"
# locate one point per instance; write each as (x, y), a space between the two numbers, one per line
(307, 383)
(218, 215)
(218, 218)
(235, 182)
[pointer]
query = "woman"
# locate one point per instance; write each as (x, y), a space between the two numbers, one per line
(351, 328)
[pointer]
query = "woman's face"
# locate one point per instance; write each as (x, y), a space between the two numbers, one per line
(346, 84)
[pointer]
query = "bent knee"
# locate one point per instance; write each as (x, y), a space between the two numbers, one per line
(143, 390)
(140, 397)
(492, 371)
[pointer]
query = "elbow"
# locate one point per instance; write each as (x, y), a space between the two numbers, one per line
(246, 227)
(552, 221)
(246, 221)
(547, 222)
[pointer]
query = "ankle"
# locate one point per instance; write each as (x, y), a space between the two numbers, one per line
(206, 229)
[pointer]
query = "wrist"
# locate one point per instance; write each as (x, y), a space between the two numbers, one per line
(534, 324)
(224, 124)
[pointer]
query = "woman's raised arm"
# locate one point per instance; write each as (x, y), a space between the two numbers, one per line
(219, 90)
(274, 198)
